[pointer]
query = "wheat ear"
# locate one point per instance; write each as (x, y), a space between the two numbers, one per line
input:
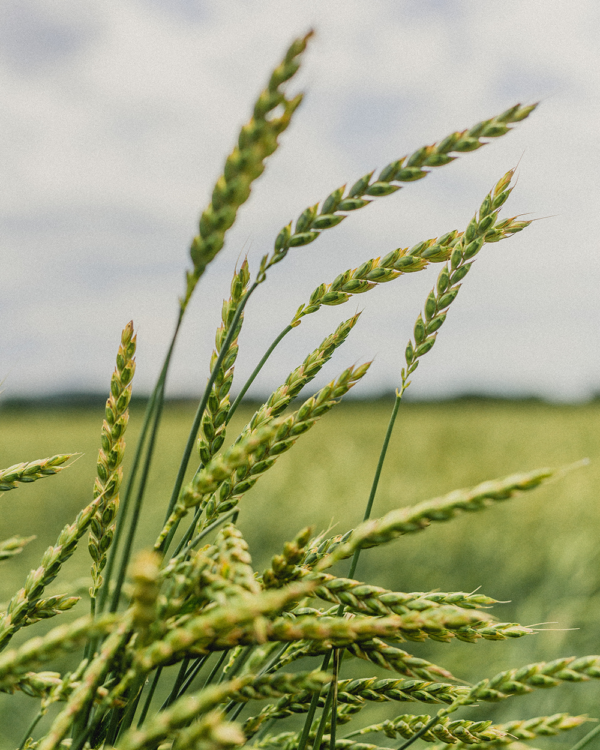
(357, 692)
(31, 471)
(110, 457)
(378, 271)
(240, 689)
(415, 518)
(528, 678)
(13, 546)
(483, 228)
(335, 207)
(214, 420)
(528, 729)
(14, 663)
(257, 141)
(451, 732)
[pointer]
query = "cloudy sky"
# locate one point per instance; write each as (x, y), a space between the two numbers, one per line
(116, 120)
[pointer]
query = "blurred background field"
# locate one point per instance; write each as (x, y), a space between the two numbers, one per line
(540, 551)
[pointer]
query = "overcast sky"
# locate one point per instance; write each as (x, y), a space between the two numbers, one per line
(116, 120)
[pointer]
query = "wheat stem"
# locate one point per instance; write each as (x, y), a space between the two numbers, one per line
(256, 371)
(587, 739)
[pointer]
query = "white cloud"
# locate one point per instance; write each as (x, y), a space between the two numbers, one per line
(118, 117)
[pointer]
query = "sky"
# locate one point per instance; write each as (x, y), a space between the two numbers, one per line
(116, 121)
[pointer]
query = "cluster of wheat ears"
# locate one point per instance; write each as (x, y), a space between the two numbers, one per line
(237, 635)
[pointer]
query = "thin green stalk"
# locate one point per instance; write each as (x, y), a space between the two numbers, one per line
(315, 699)
(334, 690)
(323, 722)
(32, 726)
(192, 674)
(157, 394)
(136, 691)
(377, 476)
(215, 669)
(312, 708)
(177, 684)
(188, 534)
(148, 701)
(199, 413)
(257, 369)
(588, 738)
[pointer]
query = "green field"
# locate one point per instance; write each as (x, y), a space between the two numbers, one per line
(540, 551)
